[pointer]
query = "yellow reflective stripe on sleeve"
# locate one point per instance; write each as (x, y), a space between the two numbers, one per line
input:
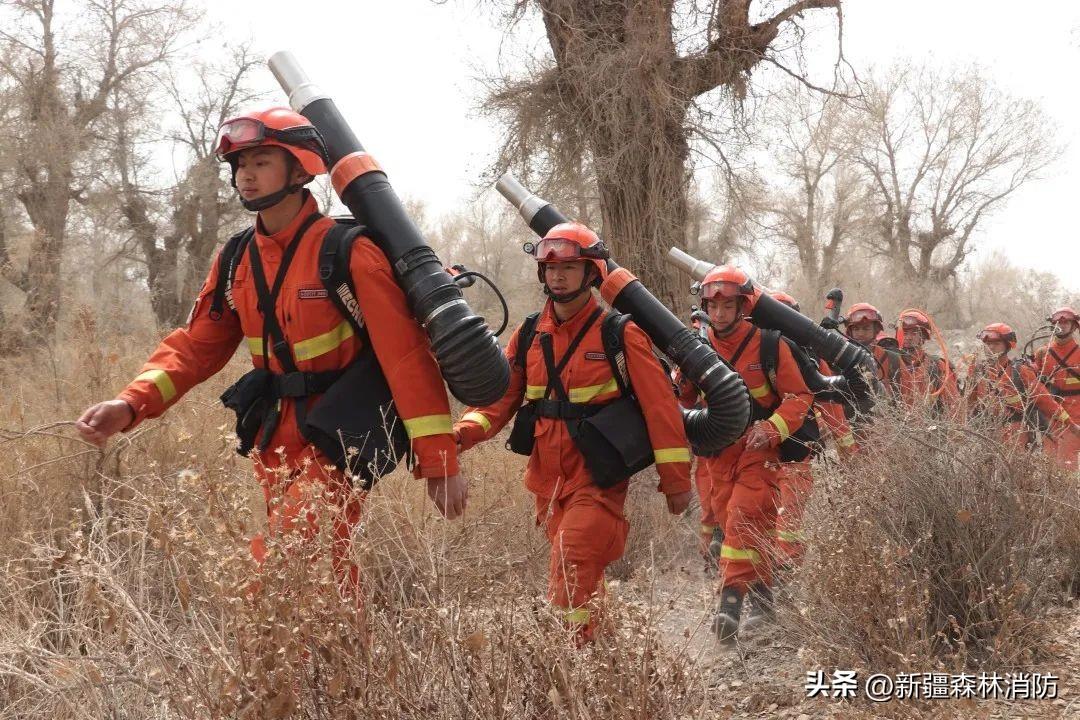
(781, 425)
(846, 440)
(1063, 416)
(534, 392)
(1013, 399)
(760, 391)
(254, 346)
(322, 344)
(578, 616)
(730, 553)
(1072, 381)
(161, 379)
(478, 418)
(429, 425)
(707, 529)
(587, 393)
(670, 455)
(791, 536)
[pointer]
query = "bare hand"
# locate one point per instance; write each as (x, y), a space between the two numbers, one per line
(449, 494)
(759, 436)
(103, 420)
(677, 503)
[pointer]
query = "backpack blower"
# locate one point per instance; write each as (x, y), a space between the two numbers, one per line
(471, 361)
(851, 361)
(727, 411)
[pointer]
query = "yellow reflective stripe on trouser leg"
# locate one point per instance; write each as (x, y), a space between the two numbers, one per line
(732, 553)
(161, 379)
(707, 529)
(791, 536)
(577, 616)
(846, 440)
(781, 425)
(478, 418)
(670, 455)
(429, 425)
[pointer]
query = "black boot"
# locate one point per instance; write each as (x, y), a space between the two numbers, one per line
(726, 620)
(762, 609)
(717, 543)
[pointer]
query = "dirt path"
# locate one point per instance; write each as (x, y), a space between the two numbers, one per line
(764, 675)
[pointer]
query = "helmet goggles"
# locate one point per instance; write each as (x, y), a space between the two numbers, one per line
(995, 336)
(555, 250)
(859, 317)
(245, 132)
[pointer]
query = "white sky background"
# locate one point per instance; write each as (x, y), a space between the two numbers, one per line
(404, 73)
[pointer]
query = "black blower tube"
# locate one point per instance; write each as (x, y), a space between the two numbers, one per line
(473, 365)
(727, 412)
(851, 360)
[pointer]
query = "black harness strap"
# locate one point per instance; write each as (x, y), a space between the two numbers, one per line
(564, 406)
(272, 328)
(1063, 364)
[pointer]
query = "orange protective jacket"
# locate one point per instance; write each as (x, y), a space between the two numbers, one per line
(917, 383)
(832, 414)
(1058, 365)
(990, 390)
(789, 402)
(319, 337)
(557, 468)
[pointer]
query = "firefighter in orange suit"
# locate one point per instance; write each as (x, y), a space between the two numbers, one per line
(1058, 366)
(1009, 391)
(744, 478)
(924, 379)
(273, 154)
(796, 476)
(864, 325)
(584, 522)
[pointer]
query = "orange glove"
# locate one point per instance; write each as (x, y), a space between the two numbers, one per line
(762, 434)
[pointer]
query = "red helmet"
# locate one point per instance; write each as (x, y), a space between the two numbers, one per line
(727, 281)
(998, 331)
(860, 313)
(1064, 313)
(787, 300)
(277, 126)
(912, 320)
(571, 241)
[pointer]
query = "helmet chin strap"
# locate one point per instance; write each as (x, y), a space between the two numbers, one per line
(268, 201)
(586, 283)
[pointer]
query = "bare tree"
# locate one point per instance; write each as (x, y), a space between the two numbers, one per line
(821, 202)
(64, 66)
(618, 96)
(178, 227)
(943, 151)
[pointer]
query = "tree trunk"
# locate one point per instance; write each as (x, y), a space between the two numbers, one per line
(47, 204)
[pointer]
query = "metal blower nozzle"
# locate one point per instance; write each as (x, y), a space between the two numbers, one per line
(294, 81)
(693, 267)
(526, 202)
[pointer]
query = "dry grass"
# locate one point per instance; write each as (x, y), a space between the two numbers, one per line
(124, 578)
(937, 545)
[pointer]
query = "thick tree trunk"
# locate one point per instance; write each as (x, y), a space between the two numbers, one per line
(47, 204)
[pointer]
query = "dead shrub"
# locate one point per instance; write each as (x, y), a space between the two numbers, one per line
(936, 543)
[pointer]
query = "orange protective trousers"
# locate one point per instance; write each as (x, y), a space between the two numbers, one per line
(796, 484)
(587, 531)
(296, 502)
(745, 494)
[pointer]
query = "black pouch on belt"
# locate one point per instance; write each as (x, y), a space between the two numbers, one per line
(614, 442)
(357, 411)
(250, 398)
(522, 435)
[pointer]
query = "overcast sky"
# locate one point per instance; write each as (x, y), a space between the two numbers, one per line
(404, 73)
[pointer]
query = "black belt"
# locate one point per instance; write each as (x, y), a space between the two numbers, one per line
(561, 410)
(302, 384)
